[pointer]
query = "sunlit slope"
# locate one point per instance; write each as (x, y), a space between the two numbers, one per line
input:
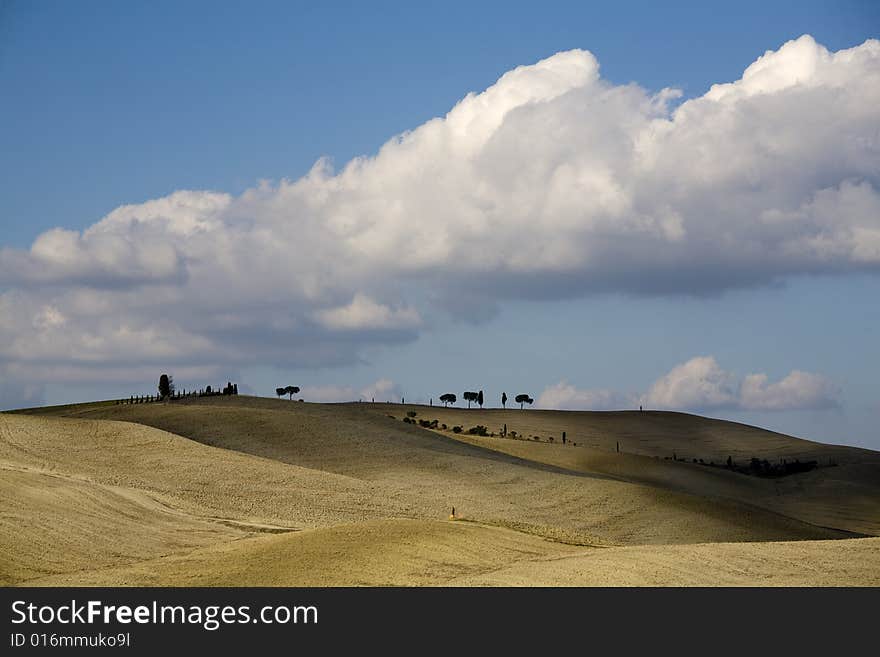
(846, 497)
(425, 474)
(221, 485)
(247, 491)
(854, 562)
(442, 553)
(393, 552)
(80, 494)
(52, 523)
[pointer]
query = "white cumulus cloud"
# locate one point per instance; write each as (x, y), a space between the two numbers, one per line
(553, 182)
(698, 383)
(701, 384)
(364, 313)
(797, 390)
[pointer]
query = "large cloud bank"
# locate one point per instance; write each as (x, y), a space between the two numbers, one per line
(701, 384)
(550, 183)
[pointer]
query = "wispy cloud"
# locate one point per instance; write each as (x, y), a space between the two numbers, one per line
(563, 395)
(382, 390)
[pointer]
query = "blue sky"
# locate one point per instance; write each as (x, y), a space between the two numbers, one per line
(110, 104)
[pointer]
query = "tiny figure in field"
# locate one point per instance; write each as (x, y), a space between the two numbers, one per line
(640, 408)
(563, 437)
(453, 514)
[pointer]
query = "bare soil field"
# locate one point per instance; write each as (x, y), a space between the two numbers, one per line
(253, 491)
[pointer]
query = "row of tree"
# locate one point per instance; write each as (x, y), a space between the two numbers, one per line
(477, 398)
(167, 390)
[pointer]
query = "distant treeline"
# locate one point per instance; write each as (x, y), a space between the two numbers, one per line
(759, 467)
(478, 430)
(755, 466)
(167, 392)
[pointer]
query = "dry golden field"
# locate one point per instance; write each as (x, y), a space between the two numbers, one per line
(252, 491)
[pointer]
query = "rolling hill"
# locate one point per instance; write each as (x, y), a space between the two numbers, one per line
(244, 490)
